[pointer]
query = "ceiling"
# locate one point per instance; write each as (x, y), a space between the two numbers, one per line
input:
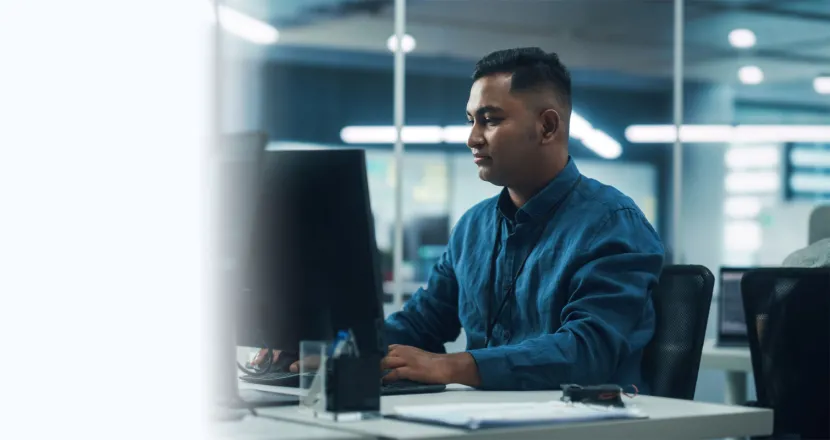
(627, 37)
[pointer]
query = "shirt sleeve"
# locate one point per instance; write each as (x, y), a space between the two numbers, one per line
(609, 314)
(430, 318)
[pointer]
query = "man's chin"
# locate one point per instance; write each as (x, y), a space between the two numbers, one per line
(486, 174)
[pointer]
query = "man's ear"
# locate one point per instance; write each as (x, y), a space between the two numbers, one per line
(551, 124)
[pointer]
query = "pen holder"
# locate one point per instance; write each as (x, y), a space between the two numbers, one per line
(341, 388)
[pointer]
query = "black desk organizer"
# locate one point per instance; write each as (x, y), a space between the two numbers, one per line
(344, 388)
(353, 384)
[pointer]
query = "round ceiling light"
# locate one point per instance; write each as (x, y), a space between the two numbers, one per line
(742, 38)
(821, 84)
(407, 46)
(751, 75)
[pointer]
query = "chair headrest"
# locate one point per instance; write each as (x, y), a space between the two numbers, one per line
(819, 223)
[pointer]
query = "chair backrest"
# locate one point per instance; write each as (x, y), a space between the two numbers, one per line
(671, 360)
(788, 323)
(819, 224)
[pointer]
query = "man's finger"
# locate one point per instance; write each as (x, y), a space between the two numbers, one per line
(392, 362)
(295, 367)
(260, 356)
(397, 374)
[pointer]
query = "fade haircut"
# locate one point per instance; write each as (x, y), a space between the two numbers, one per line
(531, 68)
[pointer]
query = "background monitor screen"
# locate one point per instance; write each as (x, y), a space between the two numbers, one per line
(732, 319)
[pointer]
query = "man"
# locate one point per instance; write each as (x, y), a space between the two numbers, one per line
(817, 253)
(551, 279)
(814, 255)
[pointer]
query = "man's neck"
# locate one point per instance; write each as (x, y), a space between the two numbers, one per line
(520, 194)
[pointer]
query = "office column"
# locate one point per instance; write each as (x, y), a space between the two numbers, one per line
(702, 208)
(399, 106)
(701, 229)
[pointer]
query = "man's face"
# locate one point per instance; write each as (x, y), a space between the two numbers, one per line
(504, 137)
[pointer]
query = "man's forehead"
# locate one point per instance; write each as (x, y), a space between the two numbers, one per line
(490, 90)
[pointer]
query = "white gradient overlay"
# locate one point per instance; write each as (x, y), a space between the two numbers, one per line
(103, 122)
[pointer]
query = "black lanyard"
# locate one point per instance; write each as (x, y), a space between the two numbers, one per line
(491, 324)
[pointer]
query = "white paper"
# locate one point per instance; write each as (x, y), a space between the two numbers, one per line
(476, 415)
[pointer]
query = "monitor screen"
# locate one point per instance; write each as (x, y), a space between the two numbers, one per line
(732, 319)
(311, 267)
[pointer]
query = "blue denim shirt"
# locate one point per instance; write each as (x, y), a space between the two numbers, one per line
(581, 310)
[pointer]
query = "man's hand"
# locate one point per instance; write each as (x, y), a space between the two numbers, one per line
(421, 366)
(261, 359)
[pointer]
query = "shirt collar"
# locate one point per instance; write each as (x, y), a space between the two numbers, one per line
(540, 205)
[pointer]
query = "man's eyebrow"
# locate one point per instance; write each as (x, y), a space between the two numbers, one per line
(487, 109)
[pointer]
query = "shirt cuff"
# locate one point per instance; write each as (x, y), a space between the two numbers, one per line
(493, 368)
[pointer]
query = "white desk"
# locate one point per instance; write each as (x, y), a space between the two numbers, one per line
(668, 418)
(735, 361)
(267, 428)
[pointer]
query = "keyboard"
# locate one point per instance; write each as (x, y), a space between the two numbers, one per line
(286, 379)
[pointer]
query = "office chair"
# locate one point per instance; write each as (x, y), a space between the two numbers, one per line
(819, 228)
(681, 303)
(788, 323)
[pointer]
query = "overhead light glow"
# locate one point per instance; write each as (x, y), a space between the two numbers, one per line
(407, 46)
(751, 75)
(456, 134)
(742, 235)
(742, 38)
(602, 144)
(739, 134)
(742, 207)
(809, 158)
(765, 156)
(752, 182)
(821, 84)
(387, 134)
(809, 182)
(596, 140)
(579, 127)
(291, 145)
(245, 26)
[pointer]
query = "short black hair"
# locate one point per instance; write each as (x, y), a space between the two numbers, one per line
(531, 68)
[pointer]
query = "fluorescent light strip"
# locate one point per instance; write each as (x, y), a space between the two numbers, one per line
(742, 207)
(742, 235)
(456, 134)
(386, 134)
(806, 182)
(596, 140)
(766, 156)
(810, 158)
(245, 26)
(728, 134)
(752, 182)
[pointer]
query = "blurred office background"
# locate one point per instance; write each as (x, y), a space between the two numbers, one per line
(321, 73)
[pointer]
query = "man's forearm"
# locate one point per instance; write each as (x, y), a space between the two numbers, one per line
(461, 368)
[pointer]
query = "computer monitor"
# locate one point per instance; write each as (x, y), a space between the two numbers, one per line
(312, 268)
(425, 232)
(238, 166)
(235, 177)
(732, 330)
